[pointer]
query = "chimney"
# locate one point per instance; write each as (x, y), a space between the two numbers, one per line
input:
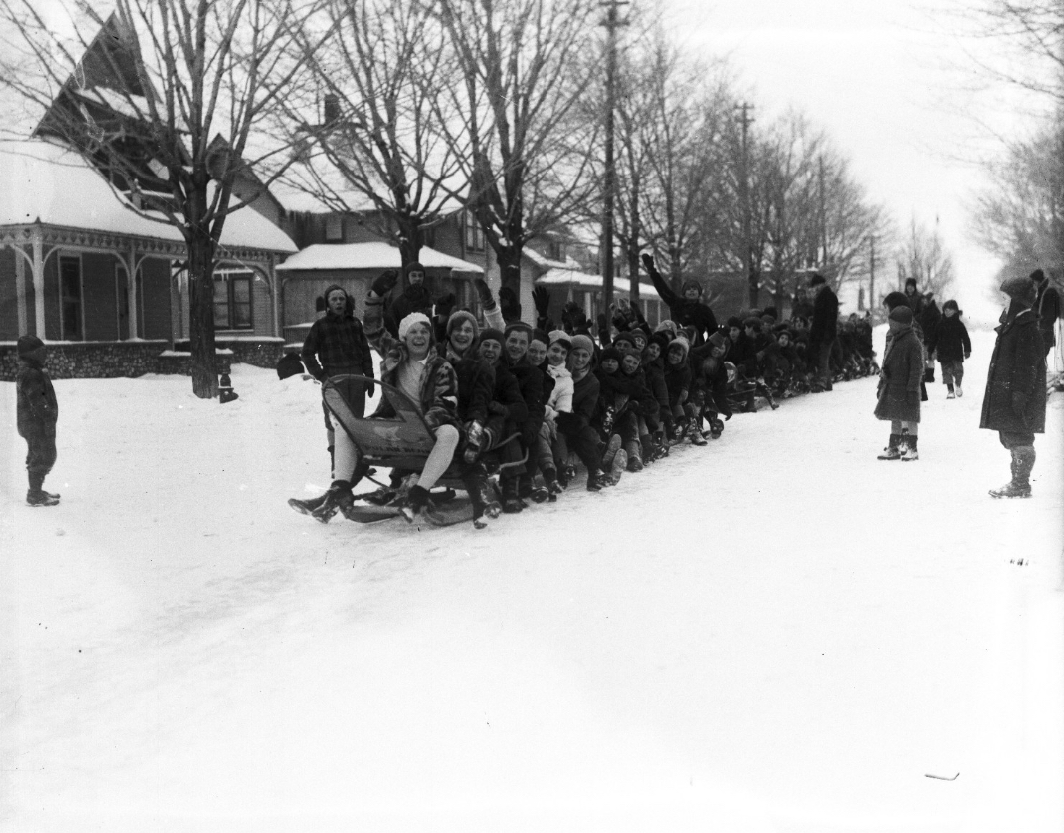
(332, 108)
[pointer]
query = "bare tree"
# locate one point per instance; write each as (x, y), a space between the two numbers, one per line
(523, 150)
(923, 257)
(178, 89)
(1028, 40)
(1020, 216)
(379, 71)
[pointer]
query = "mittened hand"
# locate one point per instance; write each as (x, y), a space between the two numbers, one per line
(498, 408)
(1019, 403)
(541, 298)
(912, 397)
(967, 356)
(385, 282)
(484, 293)
(648, 262)
(444, 304)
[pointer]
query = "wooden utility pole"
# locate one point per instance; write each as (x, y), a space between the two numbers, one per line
(823, 223)
(872, 274)
(745, 120)
(609, 184)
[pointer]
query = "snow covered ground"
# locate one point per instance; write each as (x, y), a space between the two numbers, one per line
(774, 633)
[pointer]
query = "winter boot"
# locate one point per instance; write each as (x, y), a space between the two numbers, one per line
(484, 506)
(620, 463)
(635, 459)
(309, 505)
(417, 508)
(595, 480)
(908, 446)
(1023, 458)
(611, 451)
(892, 451)
(949, 392)
(511, 503)
(960, 390)
(553, 487)
(338, 498)
(646, 447)
(525, 486)
(39, 497)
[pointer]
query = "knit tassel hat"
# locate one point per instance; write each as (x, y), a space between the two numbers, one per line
(1020, 290)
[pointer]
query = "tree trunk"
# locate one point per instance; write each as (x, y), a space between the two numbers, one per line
(201, 312)
(409, 240)
(509, 260)
(633, 242)
(754, 280)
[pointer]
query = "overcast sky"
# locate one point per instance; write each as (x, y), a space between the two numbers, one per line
(890, 87)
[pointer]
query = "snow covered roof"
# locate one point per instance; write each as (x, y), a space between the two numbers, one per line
(584, 280)
(295, 200)
(369, 256)
(42, 180)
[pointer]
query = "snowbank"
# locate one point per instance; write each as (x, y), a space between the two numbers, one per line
(775, 633)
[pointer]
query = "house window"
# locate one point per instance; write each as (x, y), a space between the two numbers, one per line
(474, 234)
(232, 300)
(70, 299)
(556, 250)
(334, 228)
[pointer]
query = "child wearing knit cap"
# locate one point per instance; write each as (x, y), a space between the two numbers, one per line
(951, 344)
(37, 412)
(898, 396)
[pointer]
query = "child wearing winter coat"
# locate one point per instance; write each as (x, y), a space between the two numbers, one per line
(559, 401)
(678, 383)
(709, 387)
(951, 343)
(899, 388)
(37, 412)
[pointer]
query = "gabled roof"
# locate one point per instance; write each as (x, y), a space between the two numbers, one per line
(589, 282)
(338, 256)
(41, 180)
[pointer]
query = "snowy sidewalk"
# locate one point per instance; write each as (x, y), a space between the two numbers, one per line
(775, 633)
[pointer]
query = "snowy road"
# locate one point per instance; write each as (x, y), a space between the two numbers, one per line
(775, 633)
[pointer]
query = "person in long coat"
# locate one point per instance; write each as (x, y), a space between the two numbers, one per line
(899, 387)
(1014, 404)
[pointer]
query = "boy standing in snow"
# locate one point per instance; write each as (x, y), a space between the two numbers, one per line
(899, 386)
(951, 343)
(37, 414)
(1014, 404)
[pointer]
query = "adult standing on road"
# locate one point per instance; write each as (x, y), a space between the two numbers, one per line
(336, 345)
(823, 330)
(1014, 404)
(1047, 308)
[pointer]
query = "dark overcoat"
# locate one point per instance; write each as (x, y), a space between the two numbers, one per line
(1017, 366)
(902, 371)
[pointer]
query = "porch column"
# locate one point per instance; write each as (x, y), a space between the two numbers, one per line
(38, 281)
(271, 266)
(131, 290)
(20, 290)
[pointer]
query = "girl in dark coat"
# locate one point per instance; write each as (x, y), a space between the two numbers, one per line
(899, 386)
(950, 342)
(1014, 404)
